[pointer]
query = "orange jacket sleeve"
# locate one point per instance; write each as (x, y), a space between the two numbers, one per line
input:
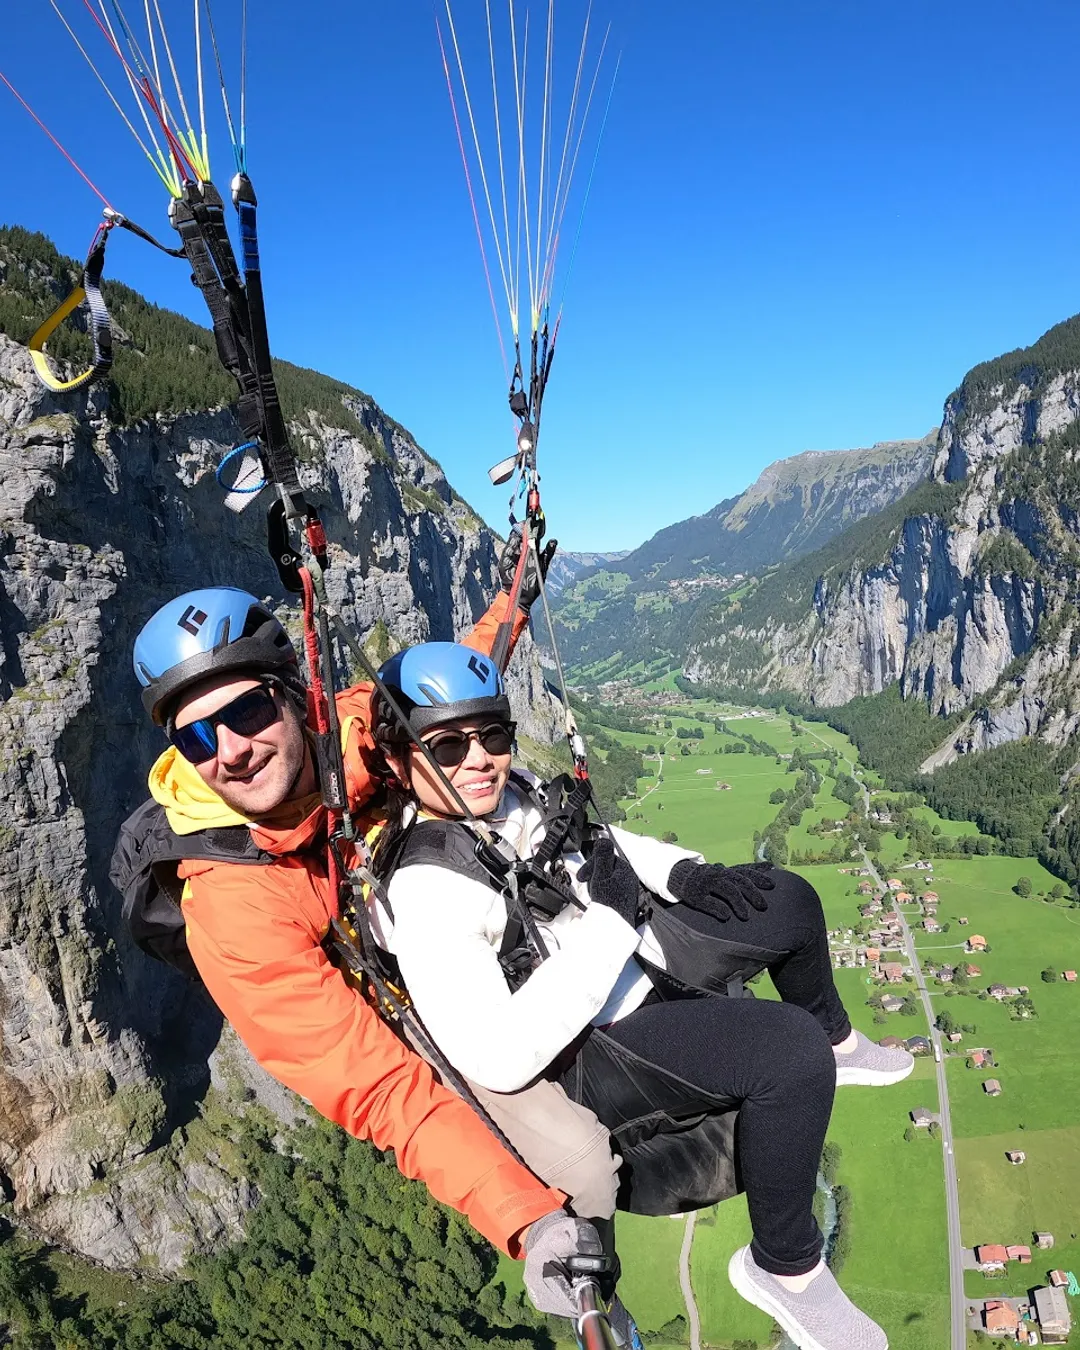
(254, 934)
(355, 702)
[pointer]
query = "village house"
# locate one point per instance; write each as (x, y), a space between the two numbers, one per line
(972, 972)
(890, 919)
(923, 865)
(982, 1057)
(932, 925)
(947, 974)
(1000, 1318)
(992, 1087)
(922, 1119)
(895, 884)
(918, 1045)
(904, 898)
(1059, 1279)
(873, 954)
(963, 921)
(955, 1037)
(976, 943)
(1044, 1241)
(866, 887)
(1069, 976)
(1055, 1319)
(893, 972)
(891, 1004)
(1016, 1252)
(930, 897)
(998, 991)
(891, 1043)
(992, 1256)
(1016, 1156)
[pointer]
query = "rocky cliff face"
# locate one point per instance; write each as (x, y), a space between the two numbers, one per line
(964, 592)
(105, 1056)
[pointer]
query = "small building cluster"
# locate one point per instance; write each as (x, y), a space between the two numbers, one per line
(1003, 991)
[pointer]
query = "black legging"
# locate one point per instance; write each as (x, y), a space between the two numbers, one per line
(772, 1060)
(790, 941)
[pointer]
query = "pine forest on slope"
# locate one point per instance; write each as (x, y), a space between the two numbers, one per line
(644, 609)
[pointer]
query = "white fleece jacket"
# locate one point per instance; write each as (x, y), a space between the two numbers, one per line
(446, 933)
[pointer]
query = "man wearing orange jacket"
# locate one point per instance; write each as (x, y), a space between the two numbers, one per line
(224, 874)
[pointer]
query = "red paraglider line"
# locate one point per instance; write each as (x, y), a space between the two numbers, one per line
(85, 177)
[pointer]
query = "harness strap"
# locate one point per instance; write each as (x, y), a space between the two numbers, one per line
(100, 329)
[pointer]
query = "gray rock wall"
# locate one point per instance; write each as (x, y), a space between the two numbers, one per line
(103, 1053)
(973, 611)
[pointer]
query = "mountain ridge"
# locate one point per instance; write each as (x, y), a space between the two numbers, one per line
(962, 596)
(643, 608)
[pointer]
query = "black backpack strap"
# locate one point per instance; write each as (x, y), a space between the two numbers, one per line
(144, 869)
(451, 844)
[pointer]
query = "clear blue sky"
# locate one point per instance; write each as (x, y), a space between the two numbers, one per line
(808, 221)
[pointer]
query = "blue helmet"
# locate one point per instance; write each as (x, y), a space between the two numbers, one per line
(202, 633)
(440, 681)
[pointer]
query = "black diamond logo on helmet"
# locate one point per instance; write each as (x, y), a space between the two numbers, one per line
(192, 620)
(479, 669)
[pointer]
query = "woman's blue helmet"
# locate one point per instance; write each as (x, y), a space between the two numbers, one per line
(438, 682)
(203, 633)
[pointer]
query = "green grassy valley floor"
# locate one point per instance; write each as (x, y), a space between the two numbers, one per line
(897, 1267)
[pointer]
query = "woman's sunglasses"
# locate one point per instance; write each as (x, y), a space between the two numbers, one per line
(246, 715)
(450, 748)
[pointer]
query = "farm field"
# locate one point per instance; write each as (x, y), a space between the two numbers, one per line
(896, 1187)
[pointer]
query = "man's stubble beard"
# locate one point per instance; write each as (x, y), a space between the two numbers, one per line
(284, 769)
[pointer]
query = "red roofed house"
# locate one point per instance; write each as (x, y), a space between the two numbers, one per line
(932, 925)
(1001, 1317)
(1019, 1253)
(1069, 975)
(895, 884)
(894, 972)
(1058, 1279)
(873, 953)
(904, 897)
(972, 972)
(976, 943)
(980, 1058)
(891, 1043)
(930, 895)
(992, 1254)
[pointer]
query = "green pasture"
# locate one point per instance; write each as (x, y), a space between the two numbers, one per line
(1003, 1203)
(719, 823)
(897, 1267)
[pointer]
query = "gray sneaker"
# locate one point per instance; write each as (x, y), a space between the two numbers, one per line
(871, 1064)
(821, 1318)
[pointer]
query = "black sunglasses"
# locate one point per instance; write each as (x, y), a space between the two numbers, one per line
(246, 715)
(450, 748)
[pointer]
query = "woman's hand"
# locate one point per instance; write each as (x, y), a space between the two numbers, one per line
(721, 891)
(612, 881)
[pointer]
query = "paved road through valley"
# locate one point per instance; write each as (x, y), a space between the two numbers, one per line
(957, 1300)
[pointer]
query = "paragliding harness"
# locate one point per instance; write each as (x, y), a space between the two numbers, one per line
(535, 889)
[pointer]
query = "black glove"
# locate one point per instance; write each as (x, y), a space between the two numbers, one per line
(721, 891)
(508, 561)
(612, 881)
(551, 1244)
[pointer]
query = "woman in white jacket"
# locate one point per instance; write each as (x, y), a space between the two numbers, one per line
(568, 987)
